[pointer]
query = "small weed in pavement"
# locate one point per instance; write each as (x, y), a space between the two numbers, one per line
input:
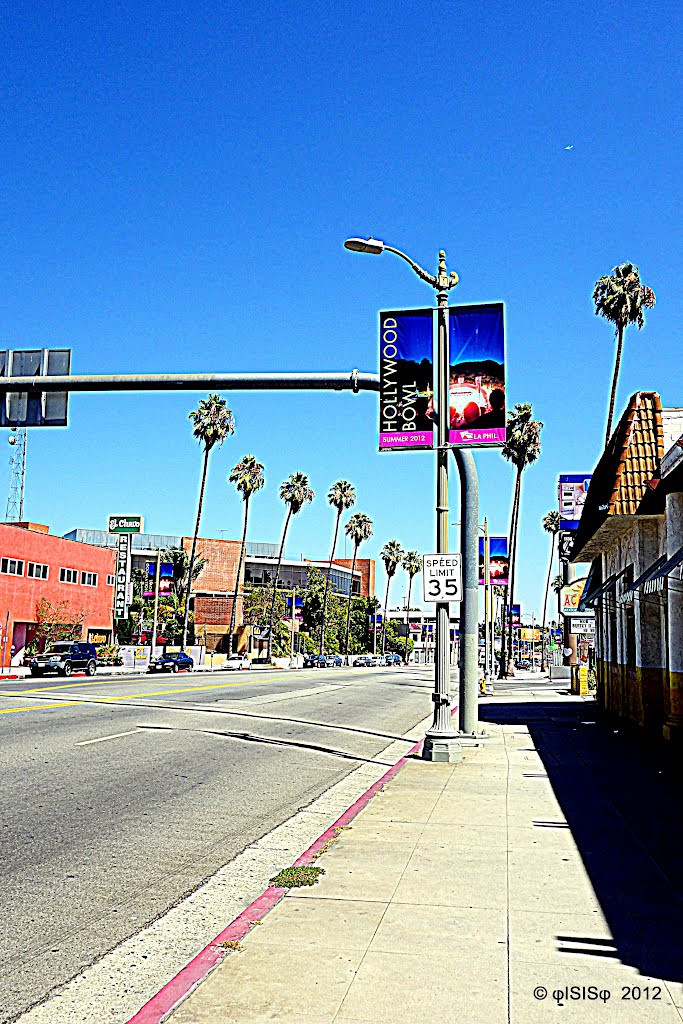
(292, 878)
(231, 944)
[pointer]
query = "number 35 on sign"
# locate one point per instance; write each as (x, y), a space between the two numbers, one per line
(442, 578)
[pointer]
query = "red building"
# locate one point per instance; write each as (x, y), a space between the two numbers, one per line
(35, 565)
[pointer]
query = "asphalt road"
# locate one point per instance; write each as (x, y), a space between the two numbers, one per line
(121, 795)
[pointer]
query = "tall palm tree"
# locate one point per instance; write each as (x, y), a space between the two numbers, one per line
(620, 298)
(392, 556)
(212, 422)
(412, 563)
(295, 492)
(247, 476)
(358, 529)
(551, 523)
(342, 495)
(522, 447)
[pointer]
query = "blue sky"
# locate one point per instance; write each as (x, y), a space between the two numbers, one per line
(177, 183)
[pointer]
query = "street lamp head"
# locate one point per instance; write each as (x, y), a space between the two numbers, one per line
(372, 245)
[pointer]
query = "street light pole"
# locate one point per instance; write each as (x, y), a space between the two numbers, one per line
(441, 740)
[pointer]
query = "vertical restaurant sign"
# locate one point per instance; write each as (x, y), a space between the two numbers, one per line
(499, 562)
(122, 575)
(477, 375)
(572, 491)
(406, 339)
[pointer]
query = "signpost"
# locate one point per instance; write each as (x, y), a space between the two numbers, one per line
(442, 578)
(35, 407)
(582, 626)
(570, 595)
(125, 524)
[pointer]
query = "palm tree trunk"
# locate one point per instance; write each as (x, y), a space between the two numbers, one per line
(410, 584)
(545, 600)
(384, 621)
(615, 381)
(514, 529)
(194, 546)
(239, 572)
(502, 667)
(348, 610)
(327, 581)
(275, 582)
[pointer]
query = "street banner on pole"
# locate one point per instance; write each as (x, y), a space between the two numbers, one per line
(499, 562)
(571, 491)
(477, 375)
(406, 370)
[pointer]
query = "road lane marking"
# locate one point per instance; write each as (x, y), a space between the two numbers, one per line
(40, 707)
(276, 677)
(114, 736)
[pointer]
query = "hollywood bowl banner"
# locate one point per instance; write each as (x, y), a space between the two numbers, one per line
(499, 562)
(406, 379)
(477, 375)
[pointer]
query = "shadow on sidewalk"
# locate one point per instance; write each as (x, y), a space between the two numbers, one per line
(623, 806)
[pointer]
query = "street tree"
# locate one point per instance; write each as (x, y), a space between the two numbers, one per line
(247, 476)
(358, 529)
(342, 496)
(212, 423)
(522, 447)
(295, 492)
(412, 563)
(392, 556)
(551, 523)
(56, 620)
(620, 298)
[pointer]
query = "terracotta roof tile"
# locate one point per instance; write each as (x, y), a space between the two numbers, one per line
(621, 481)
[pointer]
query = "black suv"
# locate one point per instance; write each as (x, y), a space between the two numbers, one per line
(64, 658)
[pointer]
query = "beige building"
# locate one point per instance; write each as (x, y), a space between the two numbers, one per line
(631, 531)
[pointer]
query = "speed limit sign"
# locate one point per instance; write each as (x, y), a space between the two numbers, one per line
(442, 578)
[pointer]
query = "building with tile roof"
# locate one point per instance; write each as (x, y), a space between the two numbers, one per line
(631, 531)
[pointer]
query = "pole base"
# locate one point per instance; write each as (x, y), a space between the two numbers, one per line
(442, 748)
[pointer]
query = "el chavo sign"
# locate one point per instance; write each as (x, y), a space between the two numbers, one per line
(125, 524)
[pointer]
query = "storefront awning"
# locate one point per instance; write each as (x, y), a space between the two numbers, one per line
(590, 588)
(611, 582)
(645, 576)
(656, 581)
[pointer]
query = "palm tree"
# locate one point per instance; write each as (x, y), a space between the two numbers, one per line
(621, 298)
(392, 556)
(295, 492)
(342, 495)
(212, 422)
(412, 563)
(179, 561)
(358, 529)
(247, 476)
(522, 447)
(551, 523)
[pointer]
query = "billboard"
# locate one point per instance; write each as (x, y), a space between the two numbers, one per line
(570, 595)
(572, 490)
(477, 375)
(406, 379)
(499, 561)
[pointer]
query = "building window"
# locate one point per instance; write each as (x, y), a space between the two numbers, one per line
(12, 566)
(68, 575)
(37, 571)
(110, 580)
(88, 579)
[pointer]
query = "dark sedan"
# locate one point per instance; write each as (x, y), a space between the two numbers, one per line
(174, 662)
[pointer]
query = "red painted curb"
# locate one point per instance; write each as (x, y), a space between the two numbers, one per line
(186, 980)
(11, 677)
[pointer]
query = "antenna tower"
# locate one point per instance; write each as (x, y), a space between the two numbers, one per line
(15, 499)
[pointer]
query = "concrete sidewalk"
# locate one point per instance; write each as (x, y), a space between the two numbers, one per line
(481, 892)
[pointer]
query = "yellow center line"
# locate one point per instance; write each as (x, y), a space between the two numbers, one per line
(40, 707)
(123, 696)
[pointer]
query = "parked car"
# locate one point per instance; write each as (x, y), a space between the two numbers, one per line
(334, 661)
(523, 664)
(172, 662)
(376, 660)
(65, 658)
(315, 661)
(362, 661)
(393, 659)
(236, 663)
